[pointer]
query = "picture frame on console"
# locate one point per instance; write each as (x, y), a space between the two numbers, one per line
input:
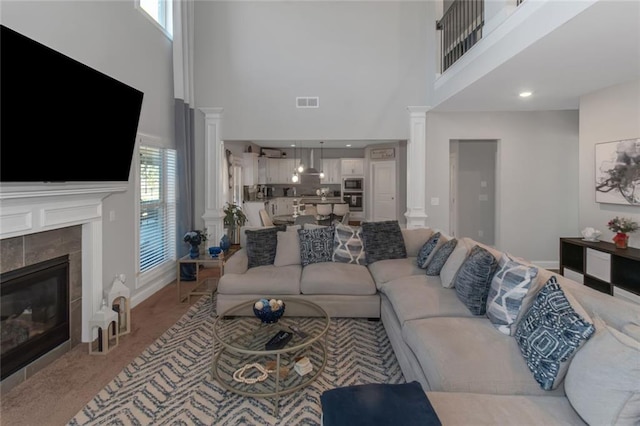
(617, 172)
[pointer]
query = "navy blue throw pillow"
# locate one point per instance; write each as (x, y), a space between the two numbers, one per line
(383, 240)
(426, 250)
(440, 257)
(261, 246)
(473, 280)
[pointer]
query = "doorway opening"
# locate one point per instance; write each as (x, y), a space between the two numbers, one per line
(473, 190)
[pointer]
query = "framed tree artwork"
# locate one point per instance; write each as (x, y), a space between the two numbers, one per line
(618, 172)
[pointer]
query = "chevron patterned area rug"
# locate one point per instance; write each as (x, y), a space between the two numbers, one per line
(170, 382)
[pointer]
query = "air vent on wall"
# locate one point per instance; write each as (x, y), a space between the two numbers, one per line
(308, 102)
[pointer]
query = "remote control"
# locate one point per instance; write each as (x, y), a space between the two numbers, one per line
(278, 341)
(299, 332)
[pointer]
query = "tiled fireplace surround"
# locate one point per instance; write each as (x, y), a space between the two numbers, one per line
(41, 222)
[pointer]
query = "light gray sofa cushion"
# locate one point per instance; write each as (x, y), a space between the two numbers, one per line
(288, 248)
(603, 380)
(390, 269)
(422, 296)
(462, 408)
(469, 355)
(336, 278)
(415, 238)
(267, 279)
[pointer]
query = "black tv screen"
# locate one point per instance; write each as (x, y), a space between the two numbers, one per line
(60, 120)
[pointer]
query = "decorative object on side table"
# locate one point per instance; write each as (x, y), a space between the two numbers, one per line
(234, 218)
(195, 238)
(215, 251)
(590, 234)
(225, 243)
(269, 311)
(622, 227)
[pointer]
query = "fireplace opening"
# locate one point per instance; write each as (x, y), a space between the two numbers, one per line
(34, 312)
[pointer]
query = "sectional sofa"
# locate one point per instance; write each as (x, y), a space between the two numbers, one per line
(481, 360)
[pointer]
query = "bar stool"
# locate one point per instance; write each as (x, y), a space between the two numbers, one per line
(340, 210)
(324, 209)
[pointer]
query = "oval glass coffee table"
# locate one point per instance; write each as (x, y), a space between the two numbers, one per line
(242, 364)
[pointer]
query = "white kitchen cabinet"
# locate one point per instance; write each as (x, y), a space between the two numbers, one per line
(352, 167)
(286, 167)
(250, 168)
(262, 170)
(332, 171)
(273, 170)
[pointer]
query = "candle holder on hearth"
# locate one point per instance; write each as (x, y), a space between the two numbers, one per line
(106, 321)
(120, 302)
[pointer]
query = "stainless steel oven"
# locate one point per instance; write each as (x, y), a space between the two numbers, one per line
(352, 184)
(354, 200)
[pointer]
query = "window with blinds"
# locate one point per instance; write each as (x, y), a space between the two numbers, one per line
(157, 207)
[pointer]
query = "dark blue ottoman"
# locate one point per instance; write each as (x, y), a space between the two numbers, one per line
(378, 404)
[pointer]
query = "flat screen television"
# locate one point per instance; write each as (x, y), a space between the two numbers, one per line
(61, 120)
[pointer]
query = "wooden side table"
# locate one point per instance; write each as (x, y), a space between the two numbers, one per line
(203, 286)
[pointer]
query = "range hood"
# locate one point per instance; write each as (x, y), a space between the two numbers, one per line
(309, 162)
(310, 158)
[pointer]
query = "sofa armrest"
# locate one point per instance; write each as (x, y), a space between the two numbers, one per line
(238, 263)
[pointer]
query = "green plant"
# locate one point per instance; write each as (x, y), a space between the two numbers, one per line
(622, 225)
(233, 215)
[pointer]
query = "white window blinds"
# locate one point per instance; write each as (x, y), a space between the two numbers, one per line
(157, 207)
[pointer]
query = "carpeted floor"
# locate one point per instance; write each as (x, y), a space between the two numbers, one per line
(170, 382)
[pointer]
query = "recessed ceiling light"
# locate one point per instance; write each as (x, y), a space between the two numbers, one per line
(525, 94)
(293, 144)
(348, 145)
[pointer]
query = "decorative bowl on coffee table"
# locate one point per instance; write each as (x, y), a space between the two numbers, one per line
(264, 310)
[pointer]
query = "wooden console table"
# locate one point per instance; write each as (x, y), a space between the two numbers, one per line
(601, 266)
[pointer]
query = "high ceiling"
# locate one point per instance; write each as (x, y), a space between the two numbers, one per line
(598, 48)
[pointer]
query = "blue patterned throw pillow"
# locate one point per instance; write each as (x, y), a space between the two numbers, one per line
(510, 284)
(383, 240)
(316, 245)
(426, 250)
(473, 279)
(550, 334)
(440, 257)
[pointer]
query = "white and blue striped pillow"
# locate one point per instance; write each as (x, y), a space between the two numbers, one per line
(509, 286)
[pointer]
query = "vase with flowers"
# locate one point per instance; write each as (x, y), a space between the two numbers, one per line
(195, 238)
(234, 218)
(622, 227)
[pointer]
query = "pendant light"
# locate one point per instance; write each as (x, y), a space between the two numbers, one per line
(294, 178)
(321, 161)
(301, 165)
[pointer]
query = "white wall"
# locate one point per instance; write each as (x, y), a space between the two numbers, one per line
(367, 61)
(607, 115)
(115, 38)
(537, 176)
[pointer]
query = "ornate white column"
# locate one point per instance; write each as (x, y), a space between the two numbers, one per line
(215, 190)
(416, 167)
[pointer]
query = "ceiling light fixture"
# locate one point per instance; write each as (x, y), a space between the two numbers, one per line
(321, 161)
(525, 94)
(348, 145)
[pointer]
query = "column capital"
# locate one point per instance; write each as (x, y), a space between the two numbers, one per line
(215, 112)
(419, 110)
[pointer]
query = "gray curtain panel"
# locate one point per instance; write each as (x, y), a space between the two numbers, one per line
(185, 141)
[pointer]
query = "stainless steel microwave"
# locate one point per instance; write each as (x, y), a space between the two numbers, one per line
(352, 184)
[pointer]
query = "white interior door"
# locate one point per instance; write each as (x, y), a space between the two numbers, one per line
(383, 190)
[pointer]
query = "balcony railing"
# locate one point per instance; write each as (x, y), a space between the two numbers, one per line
(460, 28)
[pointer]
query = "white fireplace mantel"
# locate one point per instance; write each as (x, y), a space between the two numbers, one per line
(31, 208)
